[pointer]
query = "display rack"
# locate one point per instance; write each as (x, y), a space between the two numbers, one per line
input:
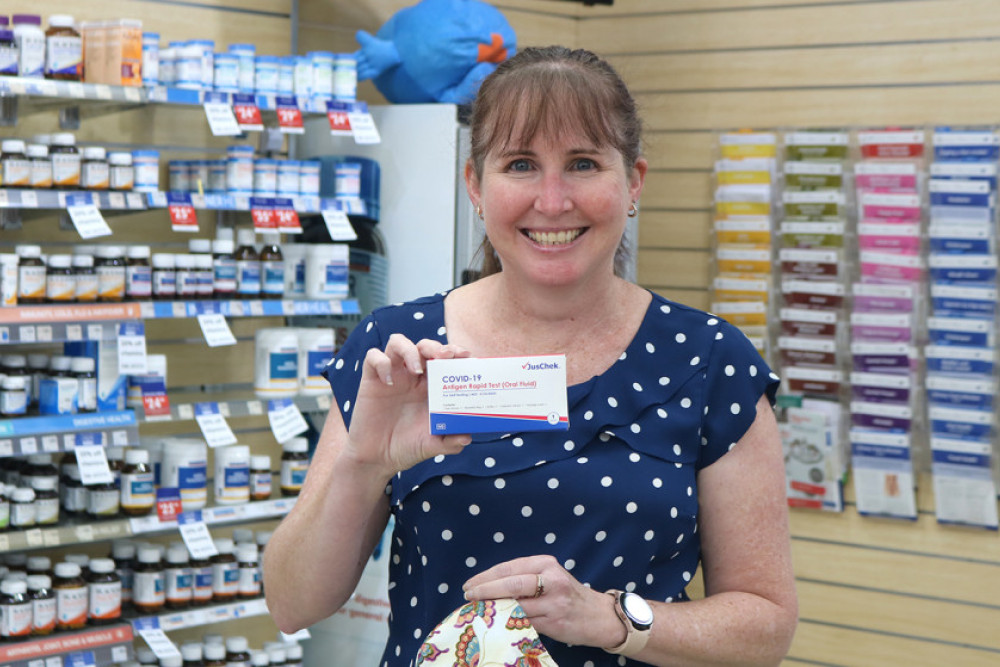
(94, 646)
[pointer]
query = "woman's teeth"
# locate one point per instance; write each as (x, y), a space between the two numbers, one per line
(554, 238)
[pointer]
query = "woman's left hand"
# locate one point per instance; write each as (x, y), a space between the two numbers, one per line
(564, 609)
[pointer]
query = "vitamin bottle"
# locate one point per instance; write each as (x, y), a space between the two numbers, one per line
(259, 659)
(225, 571)
(215, 655)
(13, 395)
(172, 661)
(249, 571)
(83, 369)
(191, 653)
(276, 655)
(43, 604)
(63, 49)
(148, 595)
(121, 173)
(46, 501)
(236, 652)
(38, 365)
(179, 580)
(232, 475)
(146, 657)
(8, 52)
(16, 562)
(187, 277)
(103, 501)
(294, 465)
(30, 45)
(73, 493)
(116, 463)
(71, 597)
(60, 281)
(272, 268)
(85, 278)
(123, 553)
(40, 466)
(22, 508)
(95, 173)
(109, 264)
(260, 477)
(248, 278)
(15, 169)
(83, 560)
(39, 565)
(164, 277)
(293, 655)
(138, 273)
(15, 610)
(242, 536)
(30, 274)
(104, 589)
(41, 165)
(201, 582)
(65, 161)
(223, 269)
(137, 494)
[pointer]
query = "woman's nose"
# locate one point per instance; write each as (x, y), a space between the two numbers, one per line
(553, 197)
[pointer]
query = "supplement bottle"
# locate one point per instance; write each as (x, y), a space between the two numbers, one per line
(276, 655)
(215, 655)
(104, 588)
(232, 475)
(248, 278)
(187, 277)
(83, 560)
(60, 281)
(116, 463)
(95, 173)
(43, 604)
(22, 508)
(179, 579)
(249, 571)
(293, 655)
(15, 168)
(237, 654)
(205, 275)
(260, 477)
(13, 395)
(172, 661)
(65, 161)
(87, 284)
(71, 597)
(46, 501)
(223, 269)
(148, 596)
(121, 174)
(294, 465)
(242, 536)
(15, 610)
(138, 273)
(30, 45)
(110, 267)
(259, 659)
(40, 466)
(38, 365)
(73, 492)
(86, 394)
(225, 571)
(191, 653)
(146, 657)
(123, 553)
(103, 500)
(8, 52)
(31, 274)
(64, 50)
(164, 277)
(201, 582)
(137, 494)
(272, 268)
(41, 165)
(4, 508)
(16, 562)
(39, 565)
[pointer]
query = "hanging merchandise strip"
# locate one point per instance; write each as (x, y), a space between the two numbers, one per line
(63, 433)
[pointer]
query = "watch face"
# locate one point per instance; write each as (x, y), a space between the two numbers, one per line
(637, 609)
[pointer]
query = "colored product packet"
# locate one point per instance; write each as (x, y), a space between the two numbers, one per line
(966, 171)
(958, 392)
(739, 145)
(891, 267)
(750, 171)
(816, 145)
(880, 206)
(956, 360)
(756, 231)
(740, 289)
(881, 387)
(961, 331)
(965, 144)
(742, 313)
(743, 260)
(811, 263)
(812, 234)
(881, 327)
(814, 206)
(896, 238)
(883, 474)
(960, 423)
(813, 381)
(963, 301)
(886, 176)
(882, 357)
(962, 269)
(971, 239)
(809, 322)
(813, 293)
(813, 175)
(871, 298)
(891, 144)
(798, 351)
(964, 488)
(892, 417)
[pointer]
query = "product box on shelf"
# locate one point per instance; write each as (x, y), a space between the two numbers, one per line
(111, 385)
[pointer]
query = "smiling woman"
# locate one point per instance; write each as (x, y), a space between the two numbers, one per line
(671, 460)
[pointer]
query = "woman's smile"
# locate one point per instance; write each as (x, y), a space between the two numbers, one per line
(554, 238)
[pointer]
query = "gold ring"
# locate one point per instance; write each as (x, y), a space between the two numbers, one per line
(539, 587)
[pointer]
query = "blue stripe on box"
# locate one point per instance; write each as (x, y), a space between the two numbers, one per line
(445, 423)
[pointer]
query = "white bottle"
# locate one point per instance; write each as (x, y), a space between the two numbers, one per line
(232, 475)
(30, 40)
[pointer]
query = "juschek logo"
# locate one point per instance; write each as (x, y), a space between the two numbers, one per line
(543, 366)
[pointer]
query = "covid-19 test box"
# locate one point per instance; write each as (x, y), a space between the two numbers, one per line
(497, 395)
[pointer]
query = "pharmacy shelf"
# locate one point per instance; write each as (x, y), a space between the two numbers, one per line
(50, 434)
(94, 646)
(239, 408)
(112, 529)
(25, 198)
(56, 323)
(193, 618)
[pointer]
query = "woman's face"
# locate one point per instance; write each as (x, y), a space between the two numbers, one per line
(555, 210)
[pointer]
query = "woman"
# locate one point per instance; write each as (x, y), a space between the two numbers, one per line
(672, 454)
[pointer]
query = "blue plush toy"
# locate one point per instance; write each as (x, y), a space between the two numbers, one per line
(435, 51)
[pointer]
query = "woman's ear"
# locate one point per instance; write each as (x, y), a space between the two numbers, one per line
(472, 184)
(637, 177)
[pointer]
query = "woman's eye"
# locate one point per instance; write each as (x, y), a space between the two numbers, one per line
(584, 164)
(520, 165)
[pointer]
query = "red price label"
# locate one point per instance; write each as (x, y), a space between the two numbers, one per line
(290, 120)
(183, 218)
(157, 405)
(248, 116)
(339, 122)
(167, 509)
(288, 220)
(263, 218)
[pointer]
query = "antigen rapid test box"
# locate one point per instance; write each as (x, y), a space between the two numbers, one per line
(497, 395)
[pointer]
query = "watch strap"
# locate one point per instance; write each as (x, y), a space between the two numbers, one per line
(635, 638)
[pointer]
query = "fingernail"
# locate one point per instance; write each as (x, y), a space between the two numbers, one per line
(466, 596)
(388, 380)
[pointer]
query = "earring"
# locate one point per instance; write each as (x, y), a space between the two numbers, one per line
(479, 211)
(633, 209)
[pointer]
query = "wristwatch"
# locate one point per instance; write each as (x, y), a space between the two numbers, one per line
(637, 617)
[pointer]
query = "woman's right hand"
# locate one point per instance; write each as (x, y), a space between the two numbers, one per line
(390, 426)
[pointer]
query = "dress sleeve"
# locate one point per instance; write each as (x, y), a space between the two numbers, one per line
(735, 379)
(344, 370)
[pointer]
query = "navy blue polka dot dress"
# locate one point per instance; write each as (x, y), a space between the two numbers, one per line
(614, 499)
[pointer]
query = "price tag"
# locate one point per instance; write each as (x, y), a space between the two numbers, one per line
(93, 464)
(221, 119)
(116, 200)
(26, 334)
(74, 332)
(216, 330)
(135, 200)
(149, 629)
(131, 348)
(247, 113)
(363, 128)
(44, 333)
(155, 405)
(29, 446)
(168, 503)
(340, 122)
(84, 533)
(81, 659)
(34, 537)
(285, 419)
(95, 332)
(195, 534)
(132, 94)
(213, 425)
(289, 115)
(50, 443)
(183, 217)
(29, 199)
(262, 212)
(338, 225)
(286, 218)
(51, 537)
(255, 408)
(86, 217)
(103, 91)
